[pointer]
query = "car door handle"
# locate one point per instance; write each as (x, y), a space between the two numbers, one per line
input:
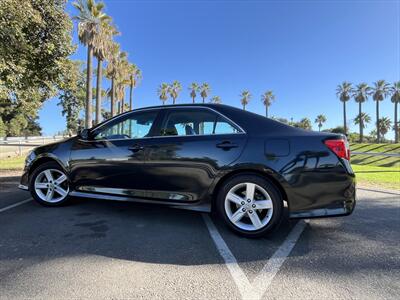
(227, 145)
(136, 148)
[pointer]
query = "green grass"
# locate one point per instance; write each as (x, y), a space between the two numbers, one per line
(381, 148)
(13, 163)
(384, 177)
(377, 161)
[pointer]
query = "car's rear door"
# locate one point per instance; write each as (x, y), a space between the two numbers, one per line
(112, 160)
(193, 145)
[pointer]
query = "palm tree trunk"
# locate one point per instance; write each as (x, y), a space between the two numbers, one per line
(98, 90)
(378, 134)
(203, 99)
(173, 100)
(396, 124)
(244, 106)
(266, 111)
(112, 97)
(88, 116)
(193, 99)
(130, 97)
(344, 118)
(361, 121)
(122, 104)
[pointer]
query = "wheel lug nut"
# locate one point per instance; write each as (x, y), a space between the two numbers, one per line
(250, 211)
(248, 200)
(243, 203)
(254, 206)
(243, 209)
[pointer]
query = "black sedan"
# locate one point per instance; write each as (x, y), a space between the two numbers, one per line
(206, 156)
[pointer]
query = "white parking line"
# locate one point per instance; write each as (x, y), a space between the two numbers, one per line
(263, 280)
(15, 205)
(241, 280)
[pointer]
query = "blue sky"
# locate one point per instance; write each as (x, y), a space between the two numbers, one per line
(299, 49)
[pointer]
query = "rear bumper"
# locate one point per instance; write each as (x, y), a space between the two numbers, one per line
(337, 208)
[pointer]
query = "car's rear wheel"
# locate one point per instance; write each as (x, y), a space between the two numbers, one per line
(250, 205)
(49, 184)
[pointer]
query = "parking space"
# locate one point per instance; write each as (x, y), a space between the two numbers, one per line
(101, 249)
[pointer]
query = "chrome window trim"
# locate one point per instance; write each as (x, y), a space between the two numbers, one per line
(170, 136)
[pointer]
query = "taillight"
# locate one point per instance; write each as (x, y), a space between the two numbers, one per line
(339, 147)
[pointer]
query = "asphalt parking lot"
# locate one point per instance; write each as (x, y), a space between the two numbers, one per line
(100, 249)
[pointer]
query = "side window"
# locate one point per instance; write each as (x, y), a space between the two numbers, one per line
(186, 122)
(136, 125)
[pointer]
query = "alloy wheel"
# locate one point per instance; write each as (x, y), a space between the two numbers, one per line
(248, 206)
(51, 185)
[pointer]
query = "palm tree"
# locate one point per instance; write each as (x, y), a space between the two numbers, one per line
(101, 45)
(344, 91)
(320, 120)
(216, 100)
(90, 17)
(362, 119)
(395, 91)
(135, 75)
(267, 99)
(194, 89)
(360, 94)
(174, 90)
(384, 126)
(380, 92)
(163, 91)
(122, 81)
(204, 91)
(245, 98)
(115, 58)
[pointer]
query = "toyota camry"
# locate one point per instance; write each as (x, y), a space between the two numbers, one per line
(245, 167)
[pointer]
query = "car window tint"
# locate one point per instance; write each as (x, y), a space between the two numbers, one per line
(135, 126)
(186, 122)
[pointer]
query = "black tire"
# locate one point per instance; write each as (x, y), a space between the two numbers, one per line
(276, 198)
(36, 172)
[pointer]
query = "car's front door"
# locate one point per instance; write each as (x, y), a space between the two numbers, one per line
(111, 161)
(192, 146)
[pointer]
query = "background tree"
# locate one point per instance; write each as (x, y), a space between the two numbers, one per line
(304, 123)
(360, 94)
(174, 90)
(194, 89)
(101, 45)
(35, 45)
(216, 100)
(344, 91)
(384, 126)
(90, 17)
(204, 91)
(320, 120)
(380, 91)
(245, 97)
(72, 96)
(135, 75)
(114, 57)
(361, 120)
(395, 92)
(267, 99)
(163, 91)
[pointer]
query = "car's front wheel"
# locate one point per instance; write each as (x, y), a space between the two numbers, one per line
(250, 205)
(49, 184)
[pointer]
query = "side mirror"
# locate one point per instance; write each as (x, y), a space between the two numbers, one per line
(84, 134)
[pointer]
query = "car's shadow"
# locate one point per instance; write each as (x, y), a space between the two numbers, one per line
(161, 235)
(127, 231)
